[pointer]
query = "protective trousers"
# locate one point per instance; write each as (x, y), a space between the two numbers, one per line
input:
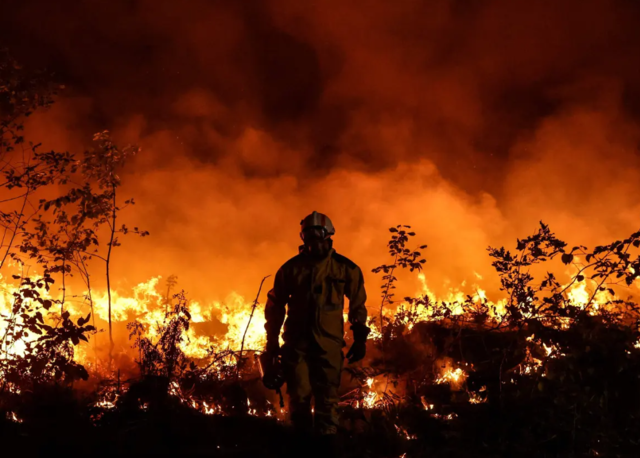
(313, 373)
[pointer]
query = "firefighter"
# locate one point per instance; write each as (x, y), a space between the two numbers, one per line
(309, 291)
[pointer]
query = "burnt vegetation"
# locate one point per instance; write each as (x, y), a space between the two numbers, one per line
(539, 374)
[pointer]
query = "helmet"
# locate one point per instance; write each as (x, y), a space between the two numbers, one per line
(317, 220)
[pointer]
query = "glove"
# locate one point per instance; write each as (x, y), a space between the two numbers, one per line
(360, 332)
(358, 349)
(271, 370)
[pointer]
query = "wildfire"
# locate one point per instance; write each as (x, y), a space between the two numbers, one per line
(105, 404)
(425, 404)
(372, 394)
(11, 416)
(251, 411)
(448, 417)
(403, 432)
(454, 377)
(244, 327)
(204, 407)
(8, 290)
(581, 295)
(584, 293)
(530, 365)
(476, 398)
(148, 306)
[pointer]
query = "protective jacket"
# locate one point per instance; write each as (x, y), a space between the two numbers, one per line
(310, 294)
(313, 291)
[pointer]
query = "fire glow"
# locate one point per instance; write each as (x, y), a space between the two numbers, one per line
(148, 305)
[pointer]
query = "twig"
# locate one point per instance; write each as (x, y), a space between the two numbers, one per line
(15, 230)
(253, 309)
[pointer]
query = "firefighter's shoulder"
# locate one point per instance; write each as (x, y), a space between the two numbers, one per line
(344, 260)
(292, 262)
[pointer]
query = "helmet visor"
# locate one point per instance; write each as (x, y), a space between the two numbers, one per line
(313, 233)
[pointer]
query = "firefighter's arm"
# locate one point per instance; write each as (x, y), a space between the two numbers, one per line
(357, 296)
(275, 311)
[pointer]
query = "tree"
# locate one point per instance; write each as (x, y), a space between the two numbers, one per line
(70, 238)
(24, 170)
(402, 257)
(60, 230)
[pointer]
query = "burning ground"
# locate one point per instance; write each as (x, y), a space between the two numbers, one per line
(551, 369)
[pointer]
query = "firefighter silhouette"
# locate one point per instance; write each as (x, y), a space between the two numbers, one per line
(309, 292)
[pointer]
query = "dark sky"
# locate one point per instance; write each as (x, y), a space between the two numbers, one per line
(464, 79)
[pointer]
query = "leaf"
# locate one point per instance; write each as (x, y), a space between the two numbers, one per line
(393, 229)
(567, 258)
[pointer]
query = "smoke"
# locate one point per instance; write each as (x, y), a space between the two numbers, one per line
(469, 120)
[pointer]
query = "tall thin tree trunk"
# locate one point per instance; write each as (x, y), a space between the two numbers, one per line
(93, 315)
(84, 272)
(108, 265)
(385, 297)
(64, 286)
(93, 321)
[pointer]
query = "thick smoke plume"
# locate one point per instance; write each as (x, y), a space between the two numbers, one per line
(469, 120)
